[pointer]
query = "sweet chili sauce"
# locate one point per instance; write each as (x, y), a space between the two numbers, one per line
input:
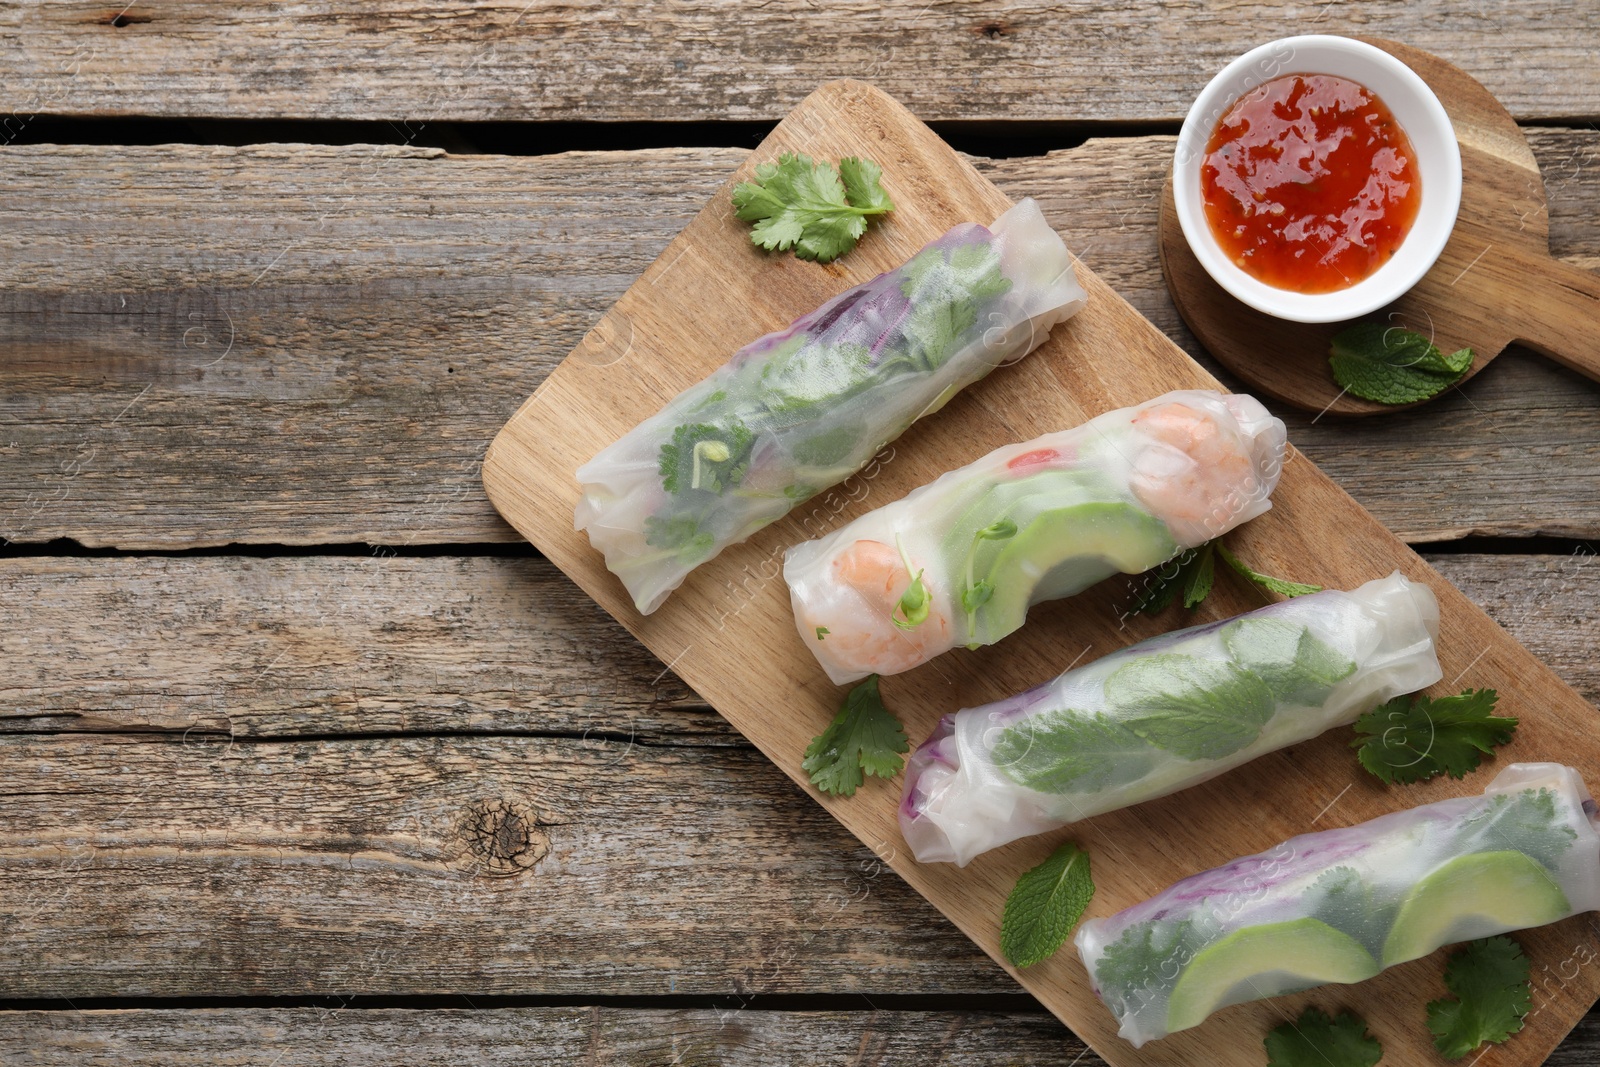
(1309, 184)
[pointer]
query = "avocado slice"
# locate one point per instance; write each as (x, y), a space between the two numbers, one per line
(1060, 551)
(1264, 961)
(1473, 896)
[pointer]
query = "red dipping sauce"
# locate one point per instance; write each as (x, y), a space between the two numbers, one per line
(1309, 184)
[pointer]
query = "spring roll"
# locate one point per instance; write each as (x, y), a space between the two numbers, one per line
(797, 411)
(1342, 905)
(960, 560)
(1165, 714)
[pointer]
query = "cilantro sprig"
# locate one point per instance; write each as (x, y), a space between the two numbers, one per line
(1412, 739)
(1393, 365)
(1192, 573)
(1318, 1039)
(1045, 905)
(809, 206)
(864, 738)
(1492, 994)
(1281, 586)
(705, 457)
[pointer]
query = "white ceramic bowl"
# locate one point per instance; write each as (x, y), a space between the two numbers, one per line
(1419, 114)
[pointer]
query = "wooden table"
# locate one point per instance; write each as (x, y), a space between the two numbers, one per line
(304, 757)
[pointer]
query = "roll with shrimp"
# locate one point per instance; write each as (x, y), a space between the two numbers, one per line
(1165, 714)
(962, 559)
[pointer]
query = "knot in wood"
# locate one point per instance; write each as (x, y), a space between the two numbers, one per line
(504, 836)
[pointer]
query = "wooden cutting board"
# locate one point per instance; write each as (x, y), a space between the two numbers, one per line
(729, 634)
(1494, 284)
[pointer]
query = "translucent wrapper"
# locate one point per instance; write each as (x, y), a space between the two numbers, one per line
(797, 411)
(1165, 714)
(1342, 905)
(1031, 522)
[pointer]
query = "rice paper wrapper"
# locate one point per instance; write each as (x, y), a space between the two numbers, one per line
(1123, 492)
(802, 409)
(1165, 714)
(1341, 905)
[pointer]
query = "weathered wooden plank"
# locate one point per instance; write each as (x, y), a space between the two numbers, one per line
(329, 645)
(618, 1037)
(306, 345)
(322, 646)
(1087, 60)
(580, 1037)
(141, 866)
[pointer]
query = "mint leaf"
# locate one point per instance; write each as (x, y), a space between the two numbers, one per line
(796, 203)
(1266, 581)
(1413, 739)
(1490, 981)
(864, 738)
(800, 378)
(828, 449)
(1318, 1039)
(1393, 365)
(1045, 905)
(1067, 751)
(705, 457)
(1297, 666)
(1193, 708)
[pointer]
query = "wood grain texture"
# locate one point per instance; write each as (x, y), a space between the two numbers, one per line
(304, 345)
(566, 1037)
(710, 280)
(548, 1037)
(330, 646)
(1080, 61)
(1494, 284)
(181, 866)
(189, 867)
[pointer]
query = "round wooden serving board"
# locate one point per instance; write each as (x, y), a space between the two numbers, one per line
(1495, 283)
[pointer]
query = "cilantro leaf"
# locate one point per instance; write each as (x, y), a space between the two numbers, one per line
(1297, 666)
(863, 184)
(947, 289)
(1200, 576)
(864, 737)
(1526, 822)
(1267, 581)
(1193, 708)
(1318, 1039)
(1145, 960)
(1392, 365)
(1191, 572)
(1490, 981)
(706, 457)
(1046, 904)
(796, 203)
(1412, 742)
(680, 534)
(1340, 898)
(1066, 751)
